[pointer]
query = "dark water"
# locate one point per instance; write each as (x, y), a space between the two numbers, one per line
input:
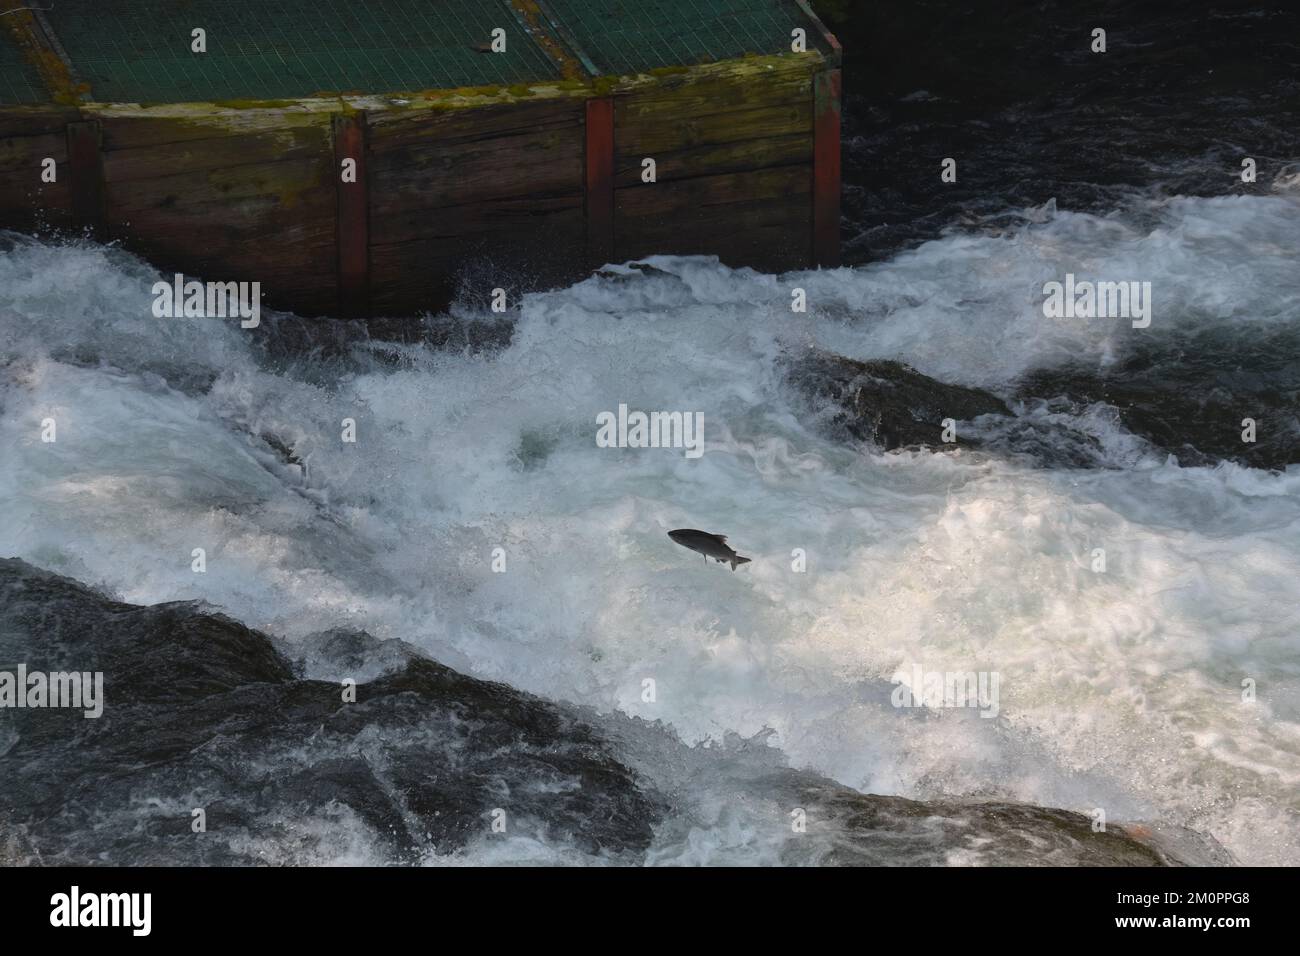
(1014, 94)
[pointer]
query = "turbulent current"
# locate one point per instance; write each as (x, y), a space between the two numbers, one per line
(476, 520)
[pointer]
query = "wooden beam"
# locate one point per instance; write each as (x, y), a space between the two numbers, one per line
(36, 40)
(540, 28)
(353, 219)
(834, 53)
(826, 169)
(599, 181)
(86, 180)
(565, 36)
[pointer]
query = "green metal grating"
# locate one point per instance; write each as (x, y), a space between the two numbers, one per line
(138, 51)
(20, 84)
(634, 36)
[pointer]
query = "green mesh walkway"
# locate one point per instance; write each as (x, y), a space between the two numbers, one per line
(138, 51)
(19, 82)
(634, 36)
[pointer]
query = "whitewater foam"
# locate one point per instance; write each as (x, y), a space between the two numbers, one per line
(1121, 689)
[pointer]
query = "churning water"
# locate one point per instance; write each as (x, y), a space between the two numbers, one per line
(1120, 689)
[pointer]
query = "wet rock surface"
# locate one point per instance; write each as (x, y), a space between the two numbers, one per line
(1192, 398)
(892, 831)
(202, 712)
(1183, 401)
(888, 403)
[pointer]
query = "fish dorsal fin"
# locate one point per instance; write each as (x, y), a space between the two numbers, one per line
(721, 537)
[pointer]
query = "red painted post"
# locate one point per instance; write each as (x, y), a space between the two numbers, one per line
(353, 219)
(826, 169)
(599, 186)
(86, 179)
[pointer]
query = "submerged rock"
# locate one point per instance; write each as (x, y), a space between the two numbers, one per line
(873, 830)
(888, 403)
(290, 338)
(1193, 399)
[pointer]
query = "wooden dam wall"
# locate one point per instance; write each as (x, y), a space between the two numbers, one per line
(461, 188)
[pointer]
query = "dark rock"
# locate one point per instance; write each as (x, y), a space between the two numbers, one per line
(338, 653)
(887, 403)
(1191, 397)
(874, 830)
(201, 711)
(282, 449)
(1045, 435)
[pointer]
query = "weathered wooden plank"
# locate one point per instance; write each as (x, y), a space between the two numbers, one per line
(423, 163)
(214, 230)
(309, 266)
(527, 164)
(760, 218)
(234, 195)
(126, 164)
(272, 223)
(704, 191)
(35, 120)
(475, 173)
(712, 124)
(394, 130)
(411, 277)
(25, 200)
(281, 186)
(599, 180)
(718, 93)
(642, 136)
(436, 159)
(513, 219)
(713, 159)
(127, 127)
(21, 156)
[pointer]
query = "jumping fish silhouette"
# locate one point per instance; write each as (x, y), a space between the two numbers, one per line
(710, 545)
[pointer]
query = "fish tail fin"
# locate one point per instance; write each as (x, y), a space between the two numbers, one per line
(738, 560)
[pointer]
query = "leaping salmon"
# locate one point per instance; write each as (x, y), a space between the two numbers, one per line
(710, 545)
